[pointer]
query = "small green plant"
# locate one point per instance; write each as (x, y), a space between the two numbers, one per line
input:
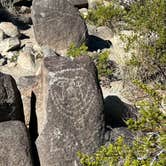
(74, 51)
(105, 15)
(102, 64)
(14, 57)
(101, 59)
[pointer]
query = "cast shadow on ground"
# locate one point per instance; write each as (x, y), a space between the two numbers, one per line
(33, 130)
(95, 43)
(6, 16)
(116, 112)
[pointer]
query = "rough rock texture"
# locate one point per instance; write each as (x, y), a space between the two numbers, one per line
(10, 100)
(26, 85)
(14, 144)
(73, 111)
(57, 24)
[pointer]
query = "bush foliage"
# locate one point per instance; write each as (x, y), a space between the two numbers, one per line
(147, 43)
(149, 145)
(147, 20)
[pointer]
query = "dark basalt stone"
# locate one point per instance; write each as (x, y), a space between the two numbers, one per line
(11, 107)
(73, 110)
(57, 24)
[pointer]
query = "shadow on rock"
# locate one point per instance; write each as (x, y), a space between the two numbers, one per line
(95, 43)
(20, 22)
(33, 130)
(116, 112)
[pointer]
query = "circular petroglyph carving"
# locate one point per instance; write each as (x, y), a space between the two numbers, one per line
(71, 91)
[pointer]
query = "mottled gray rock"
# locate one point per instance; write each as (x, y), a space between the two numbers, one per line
(10, 100)
(73, 111)
(57, 24)
(14, 144)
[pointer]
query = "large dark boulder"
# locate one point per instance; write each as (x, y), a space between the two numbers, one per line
(73, 111)
(11, 107)
(14, 144)
(57, 24)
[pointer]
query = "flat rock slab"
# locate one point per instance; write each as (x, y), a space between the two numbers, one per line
(57, 24)
(11, 107)
(14, 144)
(73, 111)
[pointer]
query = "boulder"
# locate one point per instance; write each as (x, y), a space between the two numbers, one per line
(57, 24)
(14, 144)
(9, 44)
(9, 29)
(72, 111)
(11, 107)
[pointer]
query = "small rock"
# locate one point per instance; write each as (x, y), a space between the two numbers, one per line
(93, 3)
(1, 35)
(25, 9)
(9, 44)
(9, 29)
(3, 61)
(84, 12)
(26, 60)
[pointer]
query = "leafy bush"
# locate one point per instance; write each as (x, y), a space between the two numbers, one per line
(105, 15)
(102, 64)
(149, 145)
(147, 21)
(74, 51)
(101, 59)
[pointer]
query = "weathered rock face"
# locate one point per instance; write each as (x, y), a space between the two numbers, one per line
(57, 24)
(14, 144)
(73, 111)
(10, 100)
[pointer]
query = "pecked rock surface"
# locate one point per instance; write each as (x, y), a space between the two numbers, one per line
(73, 111)
(11, 107)
(14, 144)
(57, 24)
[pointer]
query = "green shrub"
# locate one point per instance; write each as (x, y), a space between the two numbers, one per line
(149, 145)
(148, 41)
(102, 64)
(101, 59)
(74, 51)
(105, 15)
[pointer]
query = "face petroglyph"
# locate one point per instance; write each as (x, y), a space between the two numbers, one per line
(72, 95)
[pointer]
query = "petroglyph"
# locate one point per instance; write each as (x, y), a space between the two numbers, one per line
(73, 112)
